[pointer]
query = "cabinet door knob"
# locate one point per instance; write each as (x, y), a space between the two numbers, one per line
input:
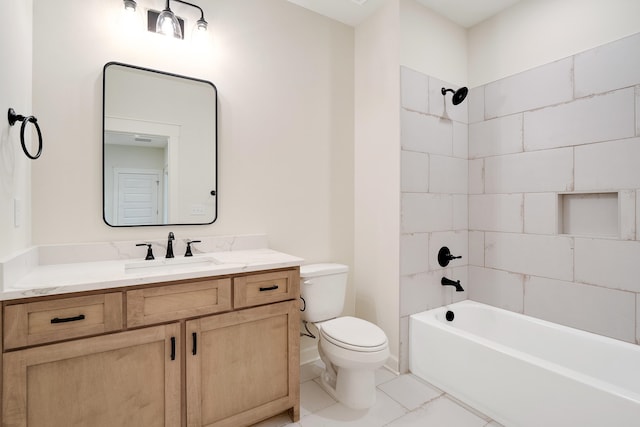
(269, 288)
(173, 348)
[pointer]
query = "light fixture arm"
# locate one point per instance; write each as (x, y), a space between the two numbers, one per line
(192, 5)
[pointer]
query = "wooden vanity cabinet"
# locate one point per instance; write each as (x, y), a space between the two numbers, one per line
(169, 355)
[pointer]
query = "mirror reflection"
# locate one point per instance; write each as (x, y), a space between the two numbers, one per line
(159, 148)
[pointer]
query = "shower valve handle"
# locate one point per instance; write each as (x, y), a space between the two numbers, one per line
(444, 256)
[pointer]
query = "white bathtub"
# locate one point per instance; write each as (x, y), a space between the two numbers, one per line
(523, 371)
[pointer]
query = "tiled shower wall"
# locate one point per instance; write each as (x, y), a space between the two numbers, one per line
(434, 187)
(569, 127)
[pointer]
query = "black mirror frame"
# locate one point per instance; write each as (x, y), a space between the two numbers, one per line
(214, 191)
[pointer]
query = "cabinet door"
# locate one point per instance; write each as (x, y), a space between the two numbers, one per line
(127, 379)
(243, 366)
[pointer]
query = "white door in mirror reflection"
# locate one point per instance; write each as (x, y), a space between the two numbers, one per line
(137, 198)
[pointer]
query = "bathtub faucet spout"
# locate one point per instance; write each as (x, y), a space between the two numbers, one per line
(449, 282)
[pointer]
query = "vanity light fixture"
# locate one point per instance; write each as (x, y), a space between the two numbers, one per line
(168, 24)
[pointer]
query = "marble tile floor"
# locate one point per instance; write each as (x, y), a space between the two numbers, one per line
(402, 401)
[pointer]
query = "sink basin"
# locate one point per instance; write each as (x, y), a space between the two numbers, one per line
(169, 263)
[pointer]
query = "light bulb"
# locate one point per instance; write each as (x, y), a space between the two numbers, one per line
(168, 24)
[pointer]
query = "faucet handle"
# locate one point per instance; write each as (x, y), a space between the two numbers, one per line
(189, 242)
(149, 250)
(444, 256)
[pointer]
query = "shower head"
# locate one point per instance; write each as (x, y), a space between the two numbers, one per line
(458, 95)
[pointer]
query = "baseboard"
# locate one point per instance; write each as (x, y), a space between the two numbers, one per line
(309, 355)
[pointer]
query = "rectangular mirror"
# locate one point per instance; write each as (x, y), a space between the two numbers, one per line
(159, 148)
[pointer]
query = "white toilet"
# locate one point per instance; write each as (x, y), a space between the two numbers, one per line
(351, 348)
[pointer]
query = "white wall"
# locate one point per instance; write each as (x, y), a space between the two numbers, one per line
(536, 32)
(284, 77)
(431, 44)
(377, 172)
(15, 92)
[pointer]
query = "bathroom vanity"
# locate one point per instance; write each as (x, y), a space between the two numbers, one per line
(194, 345)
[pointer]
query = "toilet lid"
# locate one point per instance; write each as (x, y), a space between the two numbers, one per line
(355, 334)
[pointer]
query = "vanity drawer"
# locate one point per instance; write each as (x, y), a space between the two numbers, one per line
(172, 302)
(55, 320)
(265, 288)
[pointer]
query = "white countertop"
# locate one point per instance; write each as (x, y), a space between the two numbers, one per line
(85, 276)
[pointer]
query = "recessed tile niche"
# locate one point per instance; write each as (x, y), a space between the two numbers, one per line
(588, 214)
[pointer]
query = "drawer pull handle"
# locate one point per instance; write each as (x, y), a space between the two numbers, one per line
(173, 348)
(194, 350)
(270, 288)
(67, 319)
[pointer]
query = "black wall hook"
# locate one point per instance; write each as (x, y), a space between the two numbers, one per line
(13, 118)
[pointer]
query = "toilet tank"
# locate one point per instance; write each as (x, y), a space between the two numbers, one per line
(323, 288)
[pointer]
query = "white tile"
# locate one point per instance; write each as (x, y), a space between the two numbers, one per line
(421, 292)
(497, 136)
(637, 214)
(497, 288)
(460, 212)
(637, 318)
(595, 119)
(414, 253)
(409, 391)
(545, 256)
(612, 66)
(442, 106)
(627, 212)
(448, 175)
(415, 90)
(610, 263)
(496, 212)
(461, 140)
(456, 241)
(476, 176)
(461, 274)
(313, 398)
(541, 213)
(476, 104)
(608, 166)
(384, 375)
(403, 358)
(427, 134)
(414, 172)
(534, 172)
(426, 212)
(476, 248)
(590, 308)
(438, 413)
(384, 411)
(637, 110)
(545, 85)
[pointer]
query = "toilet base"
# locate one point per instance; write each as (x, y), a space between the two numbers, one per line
(354, 388)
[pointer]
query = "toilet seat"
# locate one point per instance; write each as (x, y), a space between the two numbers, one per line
(351, 333)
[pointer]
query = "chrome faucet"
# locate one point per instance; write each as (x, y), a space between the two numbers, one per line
(170, 245)
(449, 282)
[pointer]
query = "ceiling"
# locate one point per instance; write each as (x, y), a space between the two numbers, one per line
(465, 13)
